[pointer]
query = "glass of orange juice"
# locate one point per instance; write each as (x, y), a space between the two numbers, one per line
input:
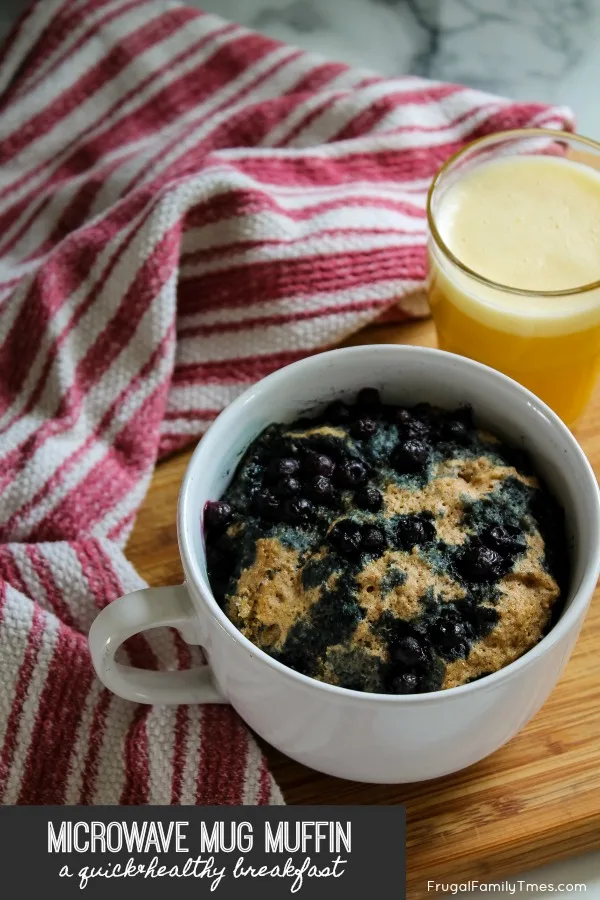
(514, 260)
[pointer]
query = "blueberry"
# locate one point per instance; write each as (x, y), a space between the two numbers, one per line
(449, 636)
(320, 489)
(368, 497)
(369, 398)
(267, 505)
(401, 416)
(479, 563)
(505, 541)
(410, 456)
(405, 683)
(338, 413)
(417, 429)
(318, 464)
(351, 473)
(363, 428)
(446, 632)
(519, 458)
(279, 468)
(217, 514)
(455, 431)
(465, 415)
(218, 561)
(373, 539)
(410, 425)
(408, 652)
(299, 511)
(480, 620)
(415, 530)
(287, 487)
(346, 536)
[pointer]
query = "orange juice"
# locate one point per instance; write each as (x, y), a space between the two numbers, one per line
(514, 266)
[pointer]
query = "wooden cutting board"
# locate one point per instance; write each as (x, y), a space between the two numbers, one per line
(535, 800)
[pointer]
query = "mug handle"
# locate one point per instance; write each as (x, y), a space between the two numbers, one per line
(140, 611)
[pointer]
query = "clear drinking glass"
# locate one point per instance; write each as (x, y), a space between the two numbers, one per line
(548, 340)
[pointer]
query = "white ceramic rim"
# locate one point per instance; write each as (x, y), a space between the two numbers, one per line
(567, 619)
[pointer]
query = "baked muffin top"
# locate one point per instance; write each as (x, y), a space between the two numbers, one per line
(387, 549)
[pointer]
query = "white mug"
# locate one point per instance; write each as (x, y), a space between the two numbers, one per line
(366, 737)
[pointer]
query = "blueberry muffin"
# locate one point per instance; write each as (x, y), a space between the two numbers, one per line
(387, 549)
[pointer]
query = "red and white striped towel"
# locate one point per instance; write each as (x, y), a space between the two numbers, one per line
(184, 207)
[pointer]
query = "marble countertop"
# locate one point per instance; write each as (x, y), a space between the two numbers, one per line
(544, 50)
(539, 50)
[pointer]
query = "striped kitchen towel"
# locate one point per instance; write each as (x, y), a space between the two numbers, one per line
(184, 207)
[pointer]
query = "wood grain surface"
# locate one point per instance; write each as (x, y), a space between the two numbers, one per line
(535, 800)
